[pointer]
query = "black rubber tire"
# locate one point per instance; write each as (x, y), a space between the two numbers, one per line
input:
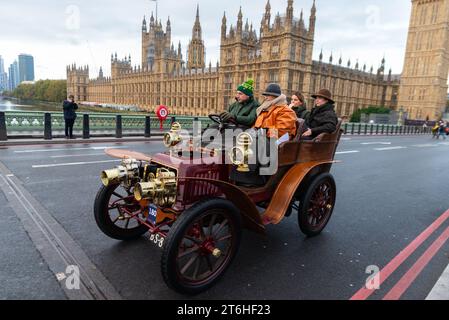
(169, 267)
(104, 221)
(304, 203)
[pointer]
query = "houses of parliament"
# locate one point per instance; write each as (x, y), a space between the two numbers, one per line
(280, 51)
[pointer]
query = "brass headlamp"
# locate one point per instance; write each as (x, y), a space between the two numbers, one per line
(240, 154)
(126, 172)
(161, 188)
(173, 137)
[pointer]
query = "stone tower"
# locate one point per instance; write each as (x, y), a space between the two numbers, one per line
(77, 82)
(196, 51)
(282, 53)
(158, 52)
(423, 90)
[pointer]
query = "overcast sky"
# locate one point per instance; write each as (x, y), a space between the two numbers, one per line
(60, 32)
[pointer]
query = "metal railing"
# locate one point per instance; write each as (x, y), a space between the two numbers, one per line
(15, 124)
(24, 124)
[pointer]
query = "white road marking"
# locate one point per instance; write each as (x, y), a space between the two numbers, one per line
(347, 152)
(425, 145)
(391, 148)
(71, 164)
(441, 289)
(443, 144)
(373, 143)
(67, 149)
(79, 155)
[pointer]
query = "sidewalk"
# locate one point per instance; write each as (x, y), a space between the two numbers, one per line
(40, 141)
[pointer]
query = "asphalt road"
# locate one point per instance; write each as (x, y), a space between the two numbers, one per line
(389, 190)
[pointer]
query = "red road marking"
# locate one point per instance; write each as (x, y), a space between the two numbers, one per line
(398, 290)
(386, 272)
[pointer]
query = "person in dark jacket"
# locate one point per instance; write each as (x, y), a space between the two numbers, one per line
(298, 104)
(243, 111)
(69, 107)
(323, 118)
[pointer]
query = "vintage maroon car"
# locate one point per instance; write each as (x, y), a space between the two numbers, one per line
(195, 213)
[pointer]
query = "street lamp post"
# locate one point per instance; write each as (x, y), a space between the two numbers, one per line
(401, 114)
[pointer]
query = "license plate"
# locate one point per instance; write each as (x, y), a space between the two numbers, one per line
(152, 214)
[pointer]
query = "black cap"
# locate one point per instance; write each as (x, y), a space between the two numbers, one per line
(273, 90)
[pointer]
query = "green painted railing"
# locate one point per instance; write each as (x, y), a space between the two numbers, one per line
(16, 123)
(34, 121)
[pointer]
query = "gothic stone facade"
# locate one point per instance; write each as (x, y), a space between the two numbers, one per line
(282, 53)
(424, 78)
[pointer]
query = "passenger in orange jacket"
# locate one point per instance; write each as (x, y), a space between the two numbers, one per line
(275, 114)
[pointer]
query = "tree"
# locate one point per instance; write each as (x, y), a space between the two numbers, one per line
(42, 90)
(356, 116)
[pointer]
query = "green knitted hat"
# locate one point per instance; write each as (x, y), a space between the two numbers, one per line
(247, 87)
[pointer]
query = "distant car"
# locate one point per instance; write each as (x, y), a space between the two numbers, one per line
(195, 213)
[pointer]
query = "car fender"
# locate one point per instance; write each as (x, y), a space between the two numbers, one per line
(286, 189)
(240, 199)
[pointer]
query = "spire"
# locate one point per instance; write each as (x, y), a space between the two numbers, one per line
(197, 32)
(268, 14)
(179, 49)
(312, 20)
(290, 11)
(341, 60)
(144, 24)
(321, 55)
(168, 25)
(151, 20)
(240, 22)
(277, 21)
(223, 26)
(357, 65)
(349, 63)
(331, 58)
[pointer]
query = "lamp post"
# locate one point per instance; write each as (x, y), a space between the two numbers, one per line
(401, 114)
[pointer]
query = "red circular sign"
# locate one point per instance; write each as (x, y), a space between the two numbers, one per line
(162, 112)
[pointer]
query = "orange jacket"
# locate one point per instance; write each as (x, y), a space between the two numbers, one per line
(281, 117)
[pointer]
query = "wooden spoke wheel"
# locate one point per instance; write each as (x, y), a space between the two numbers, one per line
(201, 245)
(316, 205)
(114, 210)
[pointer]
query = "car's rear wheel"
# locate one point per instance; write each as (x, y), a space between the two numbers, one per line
(201, 245)
(315, 207)
(114, 210)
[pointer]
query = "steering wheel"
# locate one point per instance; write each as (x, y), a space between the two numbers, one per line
(215, 118)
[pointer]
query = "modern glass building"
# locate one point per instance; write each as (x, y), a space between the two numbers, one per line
(14, 76)
(26, 67)
(3, 76)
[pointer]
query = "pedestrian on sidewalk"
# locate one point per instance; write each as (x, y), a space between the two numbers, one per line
(442, 130)
(69, 107)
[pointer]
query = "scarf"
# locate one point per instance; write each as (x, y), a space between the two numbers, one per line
(268, 105)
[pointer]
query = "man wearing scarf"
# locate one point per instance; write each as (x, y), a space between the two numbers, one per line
(275, 114)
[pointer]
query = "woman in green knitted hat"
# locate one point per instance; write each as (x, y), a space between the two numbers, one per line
(244, 111)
